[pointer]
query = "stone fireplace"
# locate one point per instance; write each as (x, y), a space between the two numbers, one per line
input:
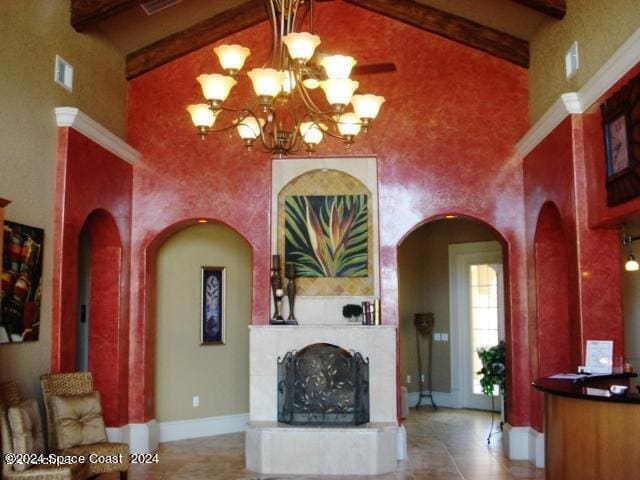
(323, 385)
(371, 448)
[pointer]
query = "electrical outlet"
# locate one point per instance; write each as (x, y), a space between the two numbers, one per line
(444, 337)
(437, 337)
(422, 377)
(408, 378)
(196, 401)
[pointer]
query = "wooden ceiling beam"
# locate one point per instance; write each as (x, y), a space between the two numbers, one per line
(553, 8)
(197, 36)
(453, 27)
(87, 13)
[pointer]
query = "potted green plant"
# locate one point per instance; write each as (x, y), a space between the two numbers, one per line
(493, 371)
(352, 312)
(493, 374)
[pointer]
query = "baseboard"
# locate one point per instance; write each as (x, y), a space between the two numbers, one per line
(536, 448)
(141, 437)
(441, 399)
(202, 427)
(524, 443)
(402, 443)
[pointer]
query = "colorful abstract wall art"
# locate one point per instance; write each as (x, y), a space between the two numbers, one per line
(327, 235)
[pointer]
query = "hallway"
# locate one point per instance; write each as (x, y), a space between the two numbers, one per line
(443, 445)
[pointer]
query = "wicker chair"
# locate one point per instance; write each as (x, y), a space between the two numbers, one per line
(79, 383)
(9, 397)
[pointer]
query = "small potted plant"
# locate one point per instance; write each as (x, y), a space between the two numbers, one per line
(493, 374)
(352, 312)
(493, 371)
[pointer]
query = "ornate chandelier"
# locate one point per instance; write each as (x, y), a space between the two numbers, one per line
(288, 118)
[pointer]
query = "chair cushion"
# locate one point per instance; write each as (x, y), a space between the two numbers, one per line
(106, 449)
(26, 430)
(77, 419)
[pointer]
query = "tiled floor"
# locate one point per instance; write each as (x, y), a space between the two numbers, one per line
(443, 445)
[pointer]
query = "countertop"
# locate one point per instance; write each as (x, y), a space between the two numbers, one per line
(593, 387)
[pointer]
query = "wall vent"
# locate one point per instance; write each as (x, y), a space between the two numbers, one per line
(154, 6)
(63, 73)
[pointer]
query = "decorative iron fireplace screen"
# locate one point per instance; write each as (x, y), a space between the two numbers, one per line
(323, 385)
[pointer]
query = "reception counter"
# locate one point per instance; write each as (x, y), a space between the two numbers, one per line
(590, 433)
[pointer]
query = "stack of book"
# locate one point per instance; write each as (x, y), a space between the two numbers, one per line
(371, 312)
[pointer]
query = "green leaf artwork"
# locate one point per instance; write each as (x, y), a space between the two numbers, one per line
(327, 236)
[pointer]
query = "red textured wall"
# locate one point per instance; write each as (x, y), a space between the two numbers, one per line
(555, 329)
(91, 179)
(568, 169)
(444, 143)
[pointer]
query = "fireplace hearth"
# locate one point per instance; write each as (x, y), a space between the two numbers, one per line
(323, 385)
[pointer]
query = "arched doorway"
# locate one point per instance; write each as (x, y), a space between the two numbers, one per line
(197, 381)
(97, 336)
(553, 326)
(434, 277)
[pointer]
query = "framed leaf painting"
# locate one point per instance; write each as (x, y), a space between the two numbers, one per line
(327, 235)
(212, 309)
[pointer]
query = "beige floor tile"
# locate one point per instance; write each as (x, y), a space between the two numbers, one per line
(442, 445)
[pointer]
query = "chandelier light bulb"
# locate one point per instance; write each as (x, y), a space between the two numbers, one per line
(367, 106)
(232, 57)
(311, 83)
(289, 83)
(312, 132)
(349, 124)
(301, 45)
(632, 264)
(339, 90)
(201, 115)
(267, 82)
(216, 87)
(338, 66)
(249, 128)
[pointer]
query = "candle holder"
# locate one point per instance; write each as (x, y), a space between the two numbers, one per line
(290, 273)
(276, 290)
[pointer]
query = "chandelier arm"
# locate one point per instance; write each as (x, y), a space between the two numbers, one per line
(283, 13)
(308, 101)
(300, 23)
(334, 135)
(274, 34)
(234, 124)
(294, 114)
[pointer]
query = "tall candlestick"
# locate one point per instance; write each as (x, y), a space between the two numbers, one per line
(276, 290)
(290, 273)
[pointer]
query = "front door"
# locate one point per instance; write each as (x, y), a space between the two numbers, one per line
(477, 297)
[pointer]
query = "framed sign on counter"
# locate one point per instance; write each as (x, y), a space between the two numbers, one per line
(599, 358)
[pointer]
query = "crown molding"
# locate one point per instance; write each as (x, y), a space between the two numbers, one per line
(81, 122)
(623, 60)
(543, 127)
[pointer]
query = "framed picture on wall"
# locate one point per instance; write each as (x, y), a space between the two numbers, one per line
(21, 288)
(621, 128)
(212, 306)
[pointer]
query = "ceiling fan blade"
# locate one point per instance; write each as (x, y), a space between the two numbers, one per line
(373, 68)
